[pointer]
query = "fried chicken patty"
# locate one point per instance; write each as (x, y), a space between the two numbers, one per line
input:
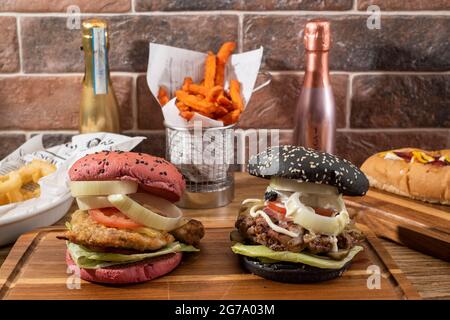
(256, 230)
(190, 233)
(85, 231)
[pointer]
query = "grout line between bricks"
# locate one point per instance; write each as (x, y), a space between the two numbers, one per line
(13, 132)
(273, 72)
(144, 131)
(355, 5)
(241, 32)
(28, 134)
(53, 131)
(393, 130)
(133, 8)
(428, 129)
(233, 12)
(380, 130)
(348, 101)
(134, 106)
(357, 73)
(19, 42)
(412, 73)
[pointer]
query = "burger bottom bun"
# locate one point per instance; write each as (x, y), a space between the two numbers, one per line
(130, 273)
(291, 272)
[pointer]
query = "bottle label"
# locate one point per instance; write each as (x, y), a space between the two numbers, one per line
(99, 61)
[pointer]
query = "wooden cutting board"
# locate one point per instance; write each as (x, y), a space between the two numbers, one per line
(421, 226)
(35, 268)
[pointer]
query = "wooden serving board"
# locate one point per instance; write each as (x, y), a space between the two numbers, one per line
(35, 268)
(419, 225)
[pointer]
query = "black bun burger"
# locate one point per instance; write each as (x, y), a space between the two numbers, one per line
(301, 232)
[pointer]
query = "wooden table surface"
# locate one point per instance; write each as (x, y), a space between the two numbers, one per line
(430, 276)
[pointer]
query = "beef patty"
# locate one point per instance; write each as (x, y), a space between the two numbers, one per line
(256, 230)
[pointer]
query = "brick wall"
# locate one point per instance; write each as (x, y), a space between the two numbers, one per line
(391, 85)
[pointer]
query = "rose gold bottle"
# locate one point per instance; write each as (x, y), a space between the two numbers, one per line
(315, 121)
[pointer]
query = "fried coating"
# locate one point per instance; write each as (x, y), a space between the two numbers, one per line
(190, 233)
(87, 232)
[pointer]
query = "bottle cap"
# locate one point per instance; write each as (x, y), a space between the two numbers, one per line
(317, 35)
(88, 25)
(94, 23)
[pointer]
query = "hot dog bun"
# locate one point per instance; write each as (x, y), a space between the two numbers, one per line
(416, 180)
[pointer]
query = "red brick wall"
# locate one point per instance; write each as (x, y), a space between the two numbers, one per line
(392, 86)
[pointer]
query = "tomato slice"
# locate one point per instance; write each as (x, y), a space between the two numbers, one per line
(276, 206)
(113, 218)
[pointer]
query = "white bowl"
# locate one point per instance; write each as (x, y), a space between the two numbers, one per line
(14, 226)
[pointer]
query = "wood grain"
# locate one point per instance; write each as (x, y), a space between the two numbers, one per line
(418, 225)
(36, 270)
(44, 274)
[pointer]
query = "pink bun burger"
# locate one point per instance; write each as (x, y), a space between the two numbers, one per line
(127, 229)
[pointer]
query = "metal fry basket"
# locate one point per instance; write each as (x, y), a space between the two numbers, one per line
(205, 157)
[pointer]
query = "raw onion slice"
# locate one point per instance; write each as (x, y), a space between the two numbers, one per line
(102, 188)
(284, 184)
(306, 217)
(93, 202)
(143, 208)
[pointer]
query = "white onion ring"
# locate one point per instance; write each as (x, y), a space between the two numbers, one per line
(307, 218)
(93, 202)
(145, 214)
(102, 188)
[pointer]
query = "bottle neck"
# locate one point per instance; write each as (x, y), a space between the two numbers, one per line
(88, 66)
(316, 73)
(95, 47)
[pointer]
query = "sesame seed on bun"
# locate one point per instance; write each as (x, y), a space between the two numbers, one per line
(154, 175)
(308, 165)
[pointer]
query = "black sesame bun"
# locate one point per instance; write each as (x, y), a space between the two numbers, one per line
(308, 165)
(290, 272)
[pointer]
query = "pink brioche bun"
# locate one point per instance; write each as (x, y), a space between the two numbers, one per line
(130, 273)
(154, 175)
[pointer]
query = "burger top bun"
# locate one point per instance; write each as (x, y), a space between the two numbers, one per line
(154, 175)
(308, 165)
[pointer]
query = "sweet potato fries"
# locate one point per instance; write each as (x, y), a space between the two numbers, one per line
(209, 98)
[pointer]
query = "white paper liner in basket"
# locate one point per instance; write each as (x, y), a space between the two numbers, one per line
(168, 66)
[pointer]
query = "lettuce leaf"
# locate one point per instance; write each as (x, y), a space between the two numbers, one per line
(260, 251)
(87, 259)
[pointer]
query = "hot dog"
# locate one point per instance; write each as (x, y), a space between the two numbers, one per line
(414, 173)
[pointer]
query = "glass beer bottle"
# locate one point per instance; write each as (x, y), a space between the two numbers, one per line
(315, 125)
(99, 108)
